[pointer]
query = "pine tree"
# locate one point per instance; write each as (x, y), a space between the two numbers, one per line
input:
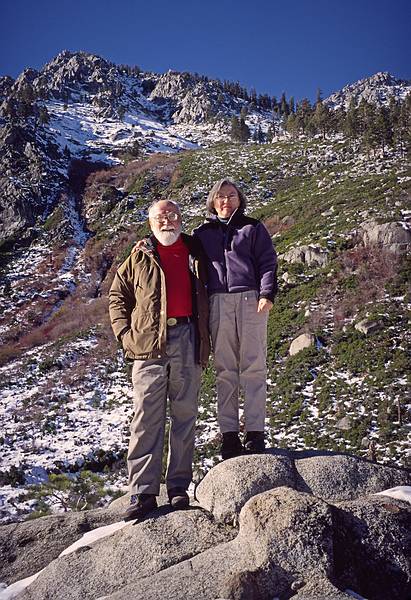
(284, 108)
(292, 125)
(244, 131)
(270, 133)
(44, 116)
(370, 137)
(383, 128)
(235, 128)
(258, 135)
(321, 119)
(304, 112)
(351, 124)
(394, 111)
(403, 130)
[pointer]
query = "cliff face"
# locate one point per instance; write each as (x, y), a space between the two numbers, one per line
(282, 524)
(29, 180)
(194, 99)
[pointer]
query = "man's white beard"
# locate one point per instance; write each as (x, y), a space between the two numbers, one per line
(167, 238)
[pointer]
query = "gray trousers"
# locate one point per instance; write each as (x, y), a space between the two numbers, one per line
(239, 337)
(176, 377)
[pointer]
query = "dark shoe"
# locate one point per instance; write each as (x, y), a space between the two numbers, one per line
(178, 498)
(140, 506)
(231, 445)
(254, 442)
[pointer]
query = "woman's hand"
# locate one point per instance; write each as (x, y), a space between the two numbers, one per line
(264, 305)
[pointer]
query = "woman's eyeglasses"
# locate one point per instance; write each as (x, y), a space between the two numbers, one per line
(232, 196)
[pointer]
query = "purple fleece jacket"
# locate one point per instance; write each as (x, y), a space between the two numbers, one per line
(240, 255)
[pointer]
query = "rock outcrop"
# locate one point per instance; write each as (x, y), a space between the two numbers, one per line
(193, 99)
(281, 524)
(305, 340)
(312, 255)
(25, 187)
(367, 327)
(394, 237)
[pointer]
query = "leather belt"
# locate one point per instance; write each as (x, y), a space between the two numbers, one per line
(173, 321)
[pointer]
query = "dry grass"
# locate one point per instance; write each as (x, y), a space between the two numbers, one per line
(361, 278)
(275, 224)
(86, 308)
(162, 165)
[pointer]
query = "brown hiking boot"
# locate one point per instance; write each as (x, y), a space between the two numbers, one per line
(178, 498)
(140, 505)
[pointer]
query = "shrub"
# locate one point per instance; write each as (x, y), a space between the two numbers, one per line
(83, 491)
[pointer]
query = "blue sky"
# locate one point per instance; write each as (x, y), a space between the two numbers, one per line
(273, 46)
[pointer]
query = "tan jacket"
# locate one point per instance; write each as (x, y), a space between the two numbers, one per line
(138, 305)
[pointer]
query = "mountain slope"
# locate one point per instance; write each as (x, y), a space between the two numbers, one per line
(84, 107)
(66, 403)
(80, 165)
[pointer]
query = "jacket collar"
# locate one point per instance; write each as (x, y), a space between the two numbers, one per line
(235, 218)
(151, 243)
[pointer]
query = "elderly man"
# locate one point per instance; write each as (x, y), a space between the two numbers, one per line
(159, 312)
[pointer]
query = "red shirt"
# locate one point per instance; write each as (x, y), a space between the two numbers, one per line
(174, 261)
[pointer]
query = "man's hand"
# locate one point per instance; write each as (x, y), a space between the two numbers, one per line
(264, 305)
(137, 246)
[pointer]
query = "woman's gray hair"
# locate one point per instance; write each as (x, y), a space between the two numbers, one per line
(216, 188)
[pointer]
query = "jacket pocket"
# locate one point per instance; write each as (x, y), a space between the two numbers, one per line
(142, 338)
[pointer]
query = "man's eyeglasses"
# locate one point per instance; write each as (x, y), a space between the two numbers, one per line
(170, 216)
(232, 196)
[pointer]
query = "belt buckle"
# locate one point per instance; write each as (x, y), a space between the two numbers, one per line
(171, 321)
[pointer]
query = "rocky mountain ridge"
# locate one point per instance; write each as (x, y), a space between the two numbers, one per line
(82, 107)
(377, 89)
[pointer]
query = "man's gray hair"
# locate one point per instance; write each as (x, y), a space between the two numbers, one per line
(216, 188)
(154, 204)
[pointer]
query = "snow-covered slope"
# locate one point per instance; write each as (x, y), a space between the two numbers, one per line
(80, 106)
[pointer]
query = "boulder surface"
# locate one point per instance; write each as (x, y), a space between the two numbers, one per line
(281, 524)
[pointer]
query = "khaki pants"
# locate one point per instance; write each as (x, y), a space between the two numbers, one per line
(176, 377)
(239, 337)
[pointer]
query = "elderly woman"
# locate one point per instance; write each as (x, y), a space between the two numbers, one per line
(241, 284)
